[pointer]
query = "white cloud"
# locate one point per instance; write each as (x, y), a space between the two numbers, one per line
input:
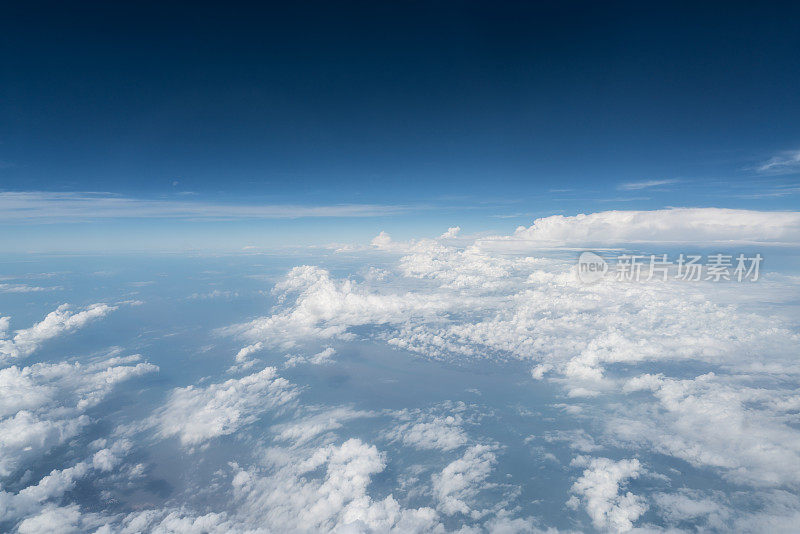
(299, 432)
(786, 162)
(293, 500)
(451, 232)
(443, 433)
(44, 405)
(214, 294)
(246, 352)
(460, 481)
(384, 242)
(716, 421)
(53, 519)
(326, 308)
(23, 288)
(457, 269)
(109, 458)
(578, 439)
(56, 207)
(686, 505)
(576, 336)
(33, 507)
(32, 501)
(598, 489)
(645, 184)
(424, 429)
(197, 414)
(320, 358)
(668, 226)
(62, 320)
(627, 363)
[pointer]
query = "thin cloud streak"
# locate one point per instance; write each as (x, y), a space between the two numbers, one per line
(787, 162)
(635, 186)
(51, 207)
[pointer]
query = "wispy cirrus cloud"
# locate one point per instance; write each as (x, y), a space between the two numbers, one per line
(645, 184)
(774, 191)
(786, 162)
(47, 206)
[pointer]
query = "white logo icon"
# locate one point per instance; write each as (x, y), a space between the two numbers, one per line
(591, 267)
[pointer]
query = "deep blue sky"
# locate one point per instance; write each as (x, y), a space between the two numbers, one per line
(546, 106)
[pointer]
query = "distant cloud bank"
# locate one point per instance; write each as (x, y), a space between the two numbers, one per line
(669, 226)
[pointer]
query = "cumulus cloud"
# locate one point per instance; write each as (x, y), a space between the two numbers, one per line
(292, 500)
(214, 294)
(52, 519)
(442, 433)
(23, 288)
(717, 421)
(668, 226)
(576, 336)
(245, 352)
(687, 505)
(576, 333)
(62, 320)
(460, 481)
(300, 431)
(44, 405)
(451, 232)
(197, 414)
(697, 372)
(326, 308)
(427, 429)
(598, 489)
(577, 439)
(320, 358)
(34, 508)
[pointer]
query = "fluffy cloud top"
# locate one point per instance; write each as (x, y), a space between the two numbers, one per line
(718, 421)
(303, 430)
(677, 225)
(196, 414)
(639, 371)
(431, 430)
(326, 308)
(461, 480)
(57, 322)
(293, 500)
(599, 491)
(44, 405)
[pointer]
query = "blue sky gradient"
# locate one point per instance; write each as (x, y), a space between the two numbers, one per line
(483, 116)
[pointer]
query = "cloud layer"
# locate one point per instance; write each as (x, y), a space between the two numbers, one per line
(52, 207)
(658, 405)
(693, 226)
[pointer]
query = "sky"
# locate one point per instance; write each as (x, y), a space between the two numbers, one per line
(399, 268)
(410, 117)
